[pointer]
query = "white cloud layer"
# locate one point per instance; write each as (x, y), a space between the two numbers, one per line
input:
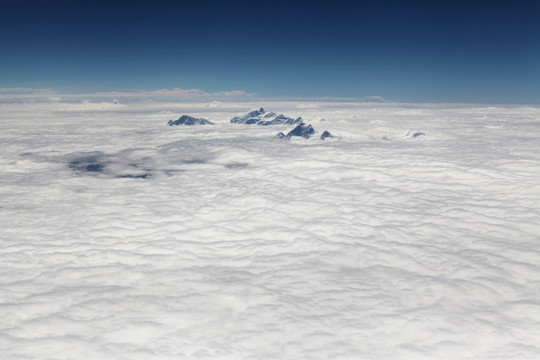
(124, 238)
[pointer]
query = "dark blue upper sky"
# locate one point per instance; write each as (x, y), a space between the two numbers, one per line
(419, 51)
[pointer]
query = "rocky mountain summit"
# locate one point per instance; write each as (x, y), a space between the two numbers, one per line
(189, 120)
(305, 131)
(326, 134)
(261, 117)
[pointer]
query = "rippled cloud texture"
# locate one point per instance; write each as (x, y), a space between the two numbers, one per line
(413, 234)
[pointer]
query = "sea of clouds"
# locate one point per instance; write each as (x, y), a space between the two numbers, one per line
(414, 233)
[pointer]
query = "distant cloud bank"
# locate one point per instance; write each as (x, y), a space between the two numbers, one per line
(18, 95)
(175, 94)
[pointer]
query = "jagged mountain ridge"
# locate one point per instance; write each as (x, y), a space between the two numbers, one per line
(303, 130)
(189, 120)
(261, 117)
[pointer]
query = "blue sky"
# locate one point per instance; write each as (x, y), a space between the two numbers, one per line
(414, 51)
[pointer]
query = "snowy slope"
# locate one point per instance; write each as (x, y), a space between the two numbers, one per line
(261, 117)
(189, 120)
(376, 244)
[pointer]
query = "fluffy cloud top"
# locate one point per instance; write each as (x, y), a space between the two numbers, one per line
(125, 238)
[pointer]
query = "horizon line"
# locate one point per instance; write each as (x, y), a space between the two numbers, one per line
(44, 95)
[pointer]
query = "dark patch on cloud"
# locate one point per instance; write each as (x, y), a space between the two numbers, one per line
(92, 163)
(194, 161)
(98, 163)
(231, 166)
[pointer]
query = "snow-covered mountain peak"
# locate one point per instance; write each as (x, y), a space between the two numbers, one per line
(189, 120)
(261, 117)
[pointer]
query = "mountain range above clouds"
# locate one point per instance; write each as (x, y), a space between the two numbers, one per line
(261, 117)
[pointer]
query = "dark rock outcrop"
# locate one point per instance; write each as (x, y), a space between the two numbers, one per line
(302, 130)
(326, 134)
(189, 120)
(261, 117)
